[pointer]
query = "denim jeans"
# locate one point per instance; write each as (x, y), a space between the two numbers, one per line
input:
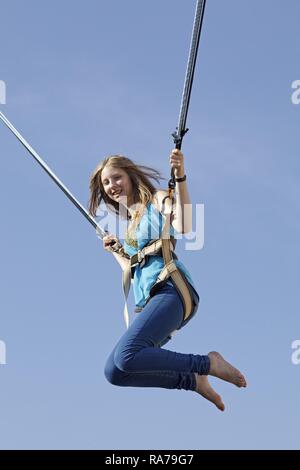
(138, 359)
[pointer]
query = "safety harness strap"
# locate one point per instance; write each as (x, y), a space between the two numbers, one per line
(153, 248)
(165, 245)
(126, 283)
(178, 279)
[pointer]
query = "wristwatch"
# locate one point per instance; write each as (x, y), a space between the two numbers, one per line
(179, 180)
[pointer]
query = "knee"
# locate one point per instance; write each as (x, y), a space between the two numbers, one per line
(124, 361)
(112, 374)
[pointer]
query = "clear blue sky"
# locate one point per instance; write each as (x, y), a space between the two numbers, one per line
(85, 79)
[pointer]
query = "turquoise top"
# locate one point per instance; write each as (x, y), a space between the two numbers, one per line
(150, 228)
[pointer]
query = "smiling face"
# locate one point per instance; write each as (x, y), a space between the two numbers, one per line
(116, 183)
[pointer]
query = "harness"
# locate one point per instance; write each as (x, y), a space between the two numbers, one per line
(165, 247)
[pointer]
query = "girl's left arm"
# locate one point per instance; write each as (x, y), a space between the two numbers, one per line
(182, 222)
(182, 209)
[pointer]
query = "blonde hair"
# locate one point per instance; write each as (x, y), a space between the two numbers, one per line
(143, 189)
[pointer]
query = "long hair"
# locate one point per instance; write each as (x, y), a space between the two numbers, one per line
(140, 175)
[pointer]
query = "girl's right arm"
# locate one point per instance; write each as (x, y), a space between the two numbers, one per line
(123, 262)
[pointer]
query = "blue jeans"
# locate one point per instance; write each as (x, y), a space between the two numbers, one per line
(138, 359)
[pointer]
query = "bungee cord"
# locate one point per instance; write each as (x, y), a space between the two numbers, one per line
(52, 175)
(100, 232)
(188, 82)
(178, 135)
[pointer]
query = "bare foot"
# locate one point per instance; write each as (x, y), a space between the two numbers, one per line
(204, 388)
(225, 371)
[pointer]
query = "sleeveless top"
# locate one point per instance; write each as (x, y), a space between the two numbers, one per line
(149, 228)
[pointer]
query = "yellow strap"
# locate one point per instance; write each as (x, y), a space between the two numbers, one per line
(126, 282)
(178, 279)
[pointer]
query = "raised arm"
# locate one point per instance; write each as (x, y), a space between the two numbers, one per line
(123, 262)
(182, 220)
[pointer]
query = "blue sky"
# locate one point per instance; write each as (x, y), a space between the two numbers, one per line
(86, 79)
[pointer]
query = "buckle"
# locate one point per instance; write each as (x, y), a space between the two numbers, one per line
(138, 258)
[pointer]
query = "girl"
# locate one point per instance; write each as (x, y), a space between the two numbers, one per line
(138, 359)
